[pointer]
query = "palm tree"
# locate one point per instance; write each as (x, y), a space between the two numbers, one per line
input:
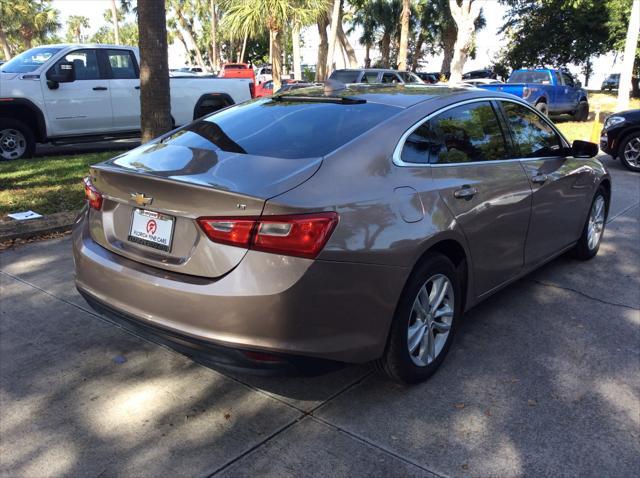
(183, 11)
(465, 15)
(155, 104)
(116, 29)
(333, 32)
(75, 24)
(365, 19)
(38, 20)
(214, 35)
(251, 17)
(404, 34)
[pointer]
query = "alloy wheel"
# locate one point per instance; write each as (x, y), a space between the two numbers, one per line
(13, 143)
(430, 320)
(632, 152)
(596, 222)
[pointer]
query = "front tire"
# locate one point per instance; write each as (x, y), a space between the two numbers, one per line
(629, 152)
(589, 242)
(17, 141)
(424, 323)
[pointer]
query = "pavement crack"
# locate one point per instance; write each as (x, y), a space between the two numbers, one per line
(579, 292)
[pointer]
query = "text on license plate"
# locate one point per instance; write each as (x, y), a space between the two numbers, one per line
(151, 229)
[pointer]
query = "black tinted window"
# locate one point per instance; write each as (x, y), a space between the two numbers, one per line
(122, 65)
(530, 76)
(459, 135)
(283, 129)
(345, 76)
(85, 64)
(532, 135)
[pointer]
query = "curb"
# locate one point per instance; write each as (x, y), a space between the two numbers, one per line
(58, 222)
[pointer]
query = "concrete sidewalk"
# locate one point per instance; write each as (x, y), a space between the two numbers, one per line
(544, 379)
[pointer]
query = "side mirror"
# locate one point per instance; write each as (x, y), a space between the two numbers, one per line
(62, 72)
(583, 149)
(578, 84)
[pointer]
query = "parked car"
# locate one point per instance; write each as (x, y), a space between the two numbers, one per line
(611, 82)
(620, 138)
(374, 75)
(429, 78)
(354, 224)
(73, 93)
(552, 92)
(263, 74)
(476, 74)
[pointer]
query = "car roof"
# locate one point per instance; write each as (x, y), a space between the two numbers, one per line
(399, 95)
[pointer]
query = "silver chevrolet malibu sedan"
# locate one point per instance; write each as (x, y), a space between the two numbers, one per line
(334, 225)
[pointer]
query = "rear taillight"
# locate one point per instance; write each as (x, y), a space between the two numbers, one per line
(93, 196)
(301, 235)
(252, 89)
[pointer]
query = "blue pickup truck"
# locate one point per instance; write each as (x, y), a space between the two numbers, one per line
(550, 91)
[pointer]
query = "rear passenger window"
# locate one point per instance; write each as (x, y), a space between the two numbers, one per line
(390, 78)
(122, 65)
(533, 137)
(463, 134)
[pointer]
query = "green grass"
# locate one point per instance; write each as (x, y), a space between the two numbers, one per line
(45, 185)
(589, 130)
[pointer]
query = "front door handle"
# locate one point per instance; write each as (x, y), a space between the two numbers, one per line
(465, 192)
(539, 179)
(99, 88)
(137, 87)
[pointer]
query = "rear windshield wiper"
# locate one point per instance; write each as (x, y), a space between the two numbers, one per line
(345, 100)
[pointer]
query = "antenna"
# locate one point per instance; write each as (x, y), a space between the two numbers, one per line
(333, 86)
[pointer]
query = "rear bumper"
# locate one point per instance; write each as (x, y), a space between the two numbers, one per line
(270, 303)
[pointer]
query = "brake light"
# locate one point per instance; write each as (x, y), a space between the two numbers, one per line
(301, 235)
(93, 196)
(252, 89)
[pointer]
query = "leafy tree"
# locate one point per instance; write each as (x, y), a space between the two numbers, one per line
(75, 24)
(25, 24)
(556, 32)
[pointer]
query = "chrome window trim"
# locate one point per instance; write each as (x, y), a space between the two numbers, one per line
(396, 158)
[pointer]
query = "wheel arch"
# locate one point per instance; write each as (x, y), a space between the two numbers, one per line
(623, 136)
(211, 102)
(27, 112)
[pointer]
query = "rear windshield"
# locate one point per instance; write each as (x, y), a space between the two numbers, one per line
(283, 129)
(541, 77)
(345, 76)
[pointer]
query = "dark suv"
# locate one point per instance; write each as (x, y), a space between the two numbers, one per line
(374, 75)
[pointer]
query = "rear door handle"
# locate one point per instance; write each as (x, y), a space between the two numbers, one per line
(539, 179)
(465, 192)
(137, 87)
(99, 88)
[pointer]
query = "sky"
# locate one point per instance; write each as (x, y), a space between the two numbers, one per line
(489, 42)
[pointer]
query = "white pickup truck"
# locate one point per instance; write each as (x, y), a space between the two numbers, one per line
(73, 93)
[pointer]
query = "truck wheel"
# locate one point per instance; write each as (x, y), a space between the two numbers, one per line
(582, 112)
(541, 106)
(16, 140)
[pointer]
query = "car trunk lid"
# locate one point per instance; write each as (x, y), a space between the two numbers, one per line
(165, 188)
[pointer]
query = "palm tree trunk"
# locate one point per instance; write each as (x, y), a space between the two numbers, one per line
(449, 41)
(464, 16)
(295, 40)
(333, 33)
(155, 102)
(6, 49)
(344, 41)
(629, 57)
(270, 47)
(214, 36)
(417, 53)
(323, 48)
(244, 47)
(404, 35)
(276, 63)
(188, 31)
(385, 49)
(116, 29)
(367, 56)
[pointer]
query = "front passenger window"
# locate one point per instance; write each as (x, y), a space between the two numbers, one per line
(533, 136)
(85, 64)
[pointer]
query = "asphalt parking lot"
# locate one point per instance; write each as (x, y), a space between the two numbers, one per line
(543, 380)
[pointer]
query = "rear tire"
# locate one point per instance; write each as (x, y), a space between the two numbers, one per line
(424, 323)
(17, 141)
(629, 152)
(582, 112)
(542, 107)
(589, 242)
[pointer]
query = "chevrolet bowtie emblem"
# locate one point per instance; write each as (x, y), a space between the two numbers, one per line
(140, 199)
